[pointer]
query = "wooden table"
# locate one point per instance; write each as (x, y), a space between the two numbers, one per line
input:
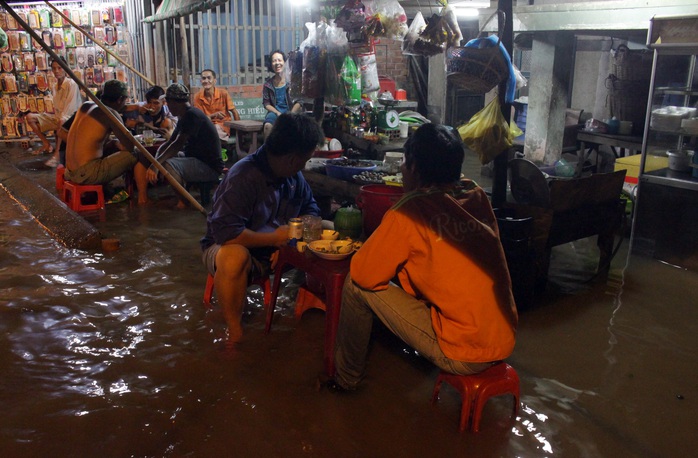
(590, 141)
(331, 275)
(243, 126)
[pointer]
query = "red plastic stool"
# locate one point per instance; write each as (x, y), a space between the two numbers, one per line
(307, 300)
(74, 193)
(60, 178)
(263, 282)
(476, 389)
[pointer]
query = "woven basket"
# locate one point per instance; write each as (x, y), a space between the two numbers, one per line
(478, 70)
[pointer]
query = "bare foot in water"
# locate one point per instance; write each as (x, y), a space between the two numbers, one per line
(230, 351)
(230, 348)
(145, 201)
(181, 205)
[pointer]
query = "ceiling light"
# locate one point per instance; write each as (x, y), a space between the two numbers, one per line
(470, 4)
(466, 12)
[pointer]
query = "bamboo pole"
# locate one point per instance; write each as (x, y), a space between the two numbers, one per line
(102, 45)
(115, 121)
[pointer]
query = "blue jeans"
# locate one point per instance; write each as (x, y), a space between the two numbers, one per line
(190, 170)
(404, 315)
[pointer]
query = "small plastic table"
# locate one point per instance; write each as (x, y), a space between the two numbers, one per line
(331, 275)
(242, 126)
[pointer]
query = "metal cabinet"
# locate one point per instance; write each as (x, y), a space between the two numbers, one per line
(667, 203)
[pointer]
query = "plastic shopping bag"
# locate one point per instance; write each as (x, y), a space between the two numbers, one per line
(487, 133)
(352, 81)
(369, 73)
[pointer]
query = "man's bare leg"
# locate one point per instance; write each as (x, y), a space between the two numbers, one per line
(139, 176)
(33, 124)
(233, 263)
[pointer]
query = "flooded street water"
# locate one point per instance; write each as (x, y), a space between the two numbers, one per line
(113, 354)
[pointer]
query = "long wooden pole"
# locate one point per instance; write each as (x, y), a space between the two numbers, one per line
(102, 45)
(499, 179)
(115, 121)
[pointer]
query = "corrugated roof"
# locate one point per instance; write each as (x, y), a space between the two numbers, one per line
(175, 8)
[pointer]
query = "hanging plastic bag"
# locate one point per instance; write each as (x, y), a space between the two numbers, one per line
(449, 15)
(386, 18)
(487, 133)
(295, 69)
(437, 35)
(351, 79)
(314, 57)
(352, 19)
(369, 73)
(412, 35)
(334, 85)
(337, 42)
(521, 80)
(313, 71)
(311, 39)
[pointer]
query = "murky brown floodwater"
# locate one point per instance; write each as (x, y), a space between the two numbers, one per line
(114, 355)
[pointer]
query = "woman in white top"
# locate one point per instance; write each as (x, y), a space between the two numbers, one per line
(66, 101)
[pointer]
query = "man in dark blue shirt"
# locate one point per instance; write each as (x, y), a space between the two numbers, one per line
(195, 137)
(251, 209)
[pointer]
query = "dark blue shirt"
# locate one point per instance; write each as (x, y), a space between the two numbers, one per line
(203, 143)
(251, 197)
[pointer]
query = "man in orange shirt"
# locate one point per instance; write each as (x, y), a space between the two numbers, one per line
(216, 103)
(454, 305)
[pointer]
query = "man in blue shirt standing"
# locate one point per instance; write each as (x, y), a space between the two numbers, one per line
(251, 209)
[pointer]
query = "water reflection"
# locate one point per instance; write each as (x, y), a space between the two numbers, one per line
(115, 354)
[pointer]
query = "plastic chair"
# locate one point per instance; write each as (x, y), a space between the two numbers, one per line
(73, 195)
(60, 178)
(263, 282)
(476, 389)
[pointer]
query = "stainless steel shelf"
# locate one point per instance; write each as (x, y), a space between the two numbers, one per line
(666, 177)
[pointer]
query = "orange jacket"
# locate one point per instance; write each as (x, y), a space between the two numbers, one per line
(444, 249)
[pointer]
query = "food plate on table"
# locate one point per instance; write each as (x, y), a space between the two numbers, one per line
(393, 180)
(156, 139)
(332, 250)
(369, 177)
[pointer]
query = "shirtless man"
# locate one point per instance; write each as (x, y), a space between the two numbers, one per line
(89, 156)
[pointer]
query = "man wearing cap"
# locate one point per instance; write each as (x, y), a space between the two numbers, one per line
(88, 159)
(191, 155)
(216, 103)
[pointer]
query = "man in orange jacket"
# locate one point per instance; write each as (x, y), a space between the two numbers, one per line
(454, 303)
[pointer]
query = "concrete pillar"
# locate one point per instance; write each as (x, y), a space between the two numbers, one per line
(436, 89)
(551, 69)
(602, 106)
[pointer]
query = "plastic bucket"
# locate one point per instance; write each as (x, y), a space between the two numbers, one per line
(374, 200)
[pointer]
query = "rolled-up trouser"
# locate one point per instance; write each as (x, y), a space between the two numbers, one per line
(406, 316)
(190, 170)
(103, 170)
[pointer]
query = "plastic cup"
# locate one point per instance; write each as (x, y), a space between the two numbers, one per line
(403, 129)
(148, 137)
(312, 228)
